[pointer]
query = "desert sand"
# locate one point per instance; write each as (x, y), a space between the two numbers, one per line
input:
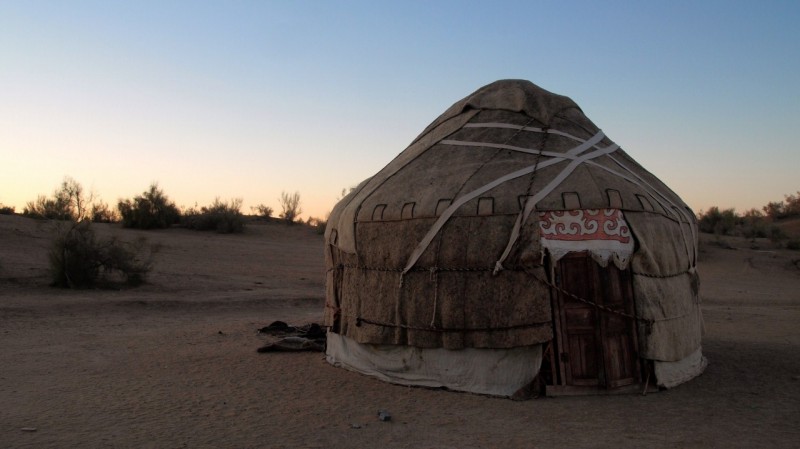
(173, 363)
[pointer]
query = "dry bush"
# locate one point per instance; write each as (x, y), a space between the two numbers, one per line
(717, 221)
(47, 208)
(290, 206)
(318, 224)
(789, 207)
(220, 216)
(69, 202)
(79, 260)
(150, 210)
(101, 213)
(752, 224)
(262, 211)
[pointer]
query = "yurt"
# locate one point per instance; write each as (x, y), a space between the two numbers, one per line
(513, 249)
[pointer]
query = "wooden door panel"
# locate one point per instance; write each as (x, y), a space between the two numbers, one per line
(597, 346)
(583, 360)
(580, 319)
(618, 329)
(580, 353)
(616, 324)
(615, 369)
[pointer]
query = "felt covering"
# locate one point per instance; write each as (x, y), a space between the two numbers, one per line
(441, 248)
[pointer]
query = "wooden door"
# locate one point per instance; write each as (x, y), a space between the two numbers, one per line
(595, 331)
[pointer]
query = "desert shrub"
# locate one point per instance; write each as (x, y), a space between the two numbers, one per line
(721, 242)
(792, 207)
(101, 213)
(776, 234)
(793, 244)
(79, 260)
(789, 207)
(717, 221)
(290, 206)
(318, 224)
(220, 216)
(753, 225)
(150, 210)
(262, 211)
(47, 208)
(69, 202)
(758, 229)
(6, 210)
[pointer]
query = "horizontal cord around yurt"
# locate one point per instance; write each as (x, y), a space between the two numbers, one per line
(416, 269)
(361, 320)
(661, 276)
(433, 270)
(647, 321)
(480, 269)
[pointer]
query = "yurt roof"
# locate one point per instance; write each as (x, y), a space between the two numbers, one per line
(521, 146)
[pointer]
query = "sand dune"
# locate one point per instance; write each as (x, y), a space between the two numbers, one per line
(173, 363)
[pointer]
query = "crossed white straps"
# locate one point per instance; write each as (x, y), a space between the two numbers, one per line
(575, 157)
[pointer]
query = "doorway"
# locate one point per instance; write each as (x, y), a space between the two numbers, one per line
(595, 345)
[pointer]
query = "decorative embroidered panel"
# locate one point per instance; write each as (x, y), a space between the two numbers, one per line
(602, 232)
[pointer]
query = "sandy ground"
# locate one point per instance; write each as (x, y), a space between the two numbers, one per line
(173, 363)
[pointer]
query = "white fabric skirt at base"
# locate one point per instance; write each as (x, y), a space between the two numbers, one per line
(499, 372)
(670, 374)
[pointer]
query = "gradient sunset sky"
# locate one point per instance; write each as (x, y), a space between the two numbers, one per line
(245, 99)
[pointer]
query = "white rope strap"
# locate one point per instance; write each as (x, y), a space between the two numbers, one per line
(681, 215)
(530, 204)
(447, 213)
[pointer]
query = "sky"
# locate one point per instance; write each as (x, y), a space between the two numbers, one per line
(248, 99)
